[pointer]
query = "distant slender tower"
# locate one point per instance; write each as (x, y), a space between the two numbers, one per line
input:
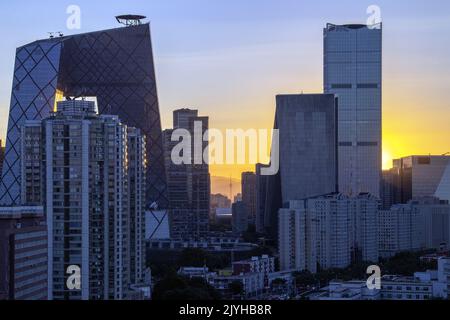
(353, 71)
(116, 66)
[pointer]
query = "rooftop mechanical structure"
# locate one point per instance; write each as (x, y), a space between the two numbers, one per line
(130, 19)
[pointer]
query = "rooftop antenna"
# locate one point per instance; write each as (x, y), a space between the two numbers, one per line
(130, 20)
(231, 189)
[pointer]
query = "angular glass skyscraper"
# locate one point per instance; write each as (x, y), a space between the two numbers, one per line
(116, 66)
(353, 71)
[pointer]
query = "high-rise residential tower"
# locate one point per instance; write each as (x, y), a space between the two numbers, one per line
(353, 72)
(116, 66)
(331, 231)
(93, 177)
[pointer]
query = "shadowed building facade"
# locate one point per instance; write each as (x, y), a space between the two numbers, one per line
(188, 183)
(116, 66)
(307, 125)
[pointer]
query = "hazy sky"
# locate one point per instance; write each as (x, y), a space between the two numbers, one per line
(229, 58)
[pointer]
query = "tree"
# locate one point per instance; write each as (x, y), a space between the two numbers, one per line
(304, 279)
(193, 257)
(174, 287)
(236, 288)
(170, 282)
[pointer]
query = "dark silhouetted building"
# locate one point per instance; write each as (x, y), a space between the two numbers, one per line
(261, 188)
(23, 253)
(249, 195)
(240, 218)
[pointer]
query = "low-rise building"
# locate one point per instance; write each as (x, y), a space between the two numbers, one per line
(346, 290)
(252, 285)
(428, 285)
(264, 265)
(406, 288)
(282, 282)
(197, 272)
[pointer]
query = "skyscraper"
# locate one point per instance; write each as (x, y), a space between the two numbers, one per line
(93, 171)
(353, 71)
(261, 191)
(188, 183)
(116, 66)
(399, 230)
(249, 195)
(307, 125)
(239, 218)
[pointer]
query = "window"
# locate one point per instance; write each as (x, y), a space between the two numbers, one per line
(424, 160)
(367, 144)
(368, 86)
(341, 86)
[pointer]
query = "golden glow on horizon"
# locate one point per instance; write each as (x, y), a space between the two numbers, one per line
(387, 160)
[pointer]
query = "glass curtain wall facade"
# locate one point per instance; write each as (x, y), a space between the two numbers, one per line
(353, 71)
(116, 66)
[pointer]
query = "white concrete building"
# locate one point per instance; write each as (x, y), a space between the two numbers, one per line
(346, 290)
(432, 284)
(264, 264)
(329, 231)
(434, 215)
(399, 230)
(296, 238)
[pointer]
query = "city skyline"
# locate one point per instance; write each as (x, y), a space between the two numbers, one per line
(174, 150)
(246, 42)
